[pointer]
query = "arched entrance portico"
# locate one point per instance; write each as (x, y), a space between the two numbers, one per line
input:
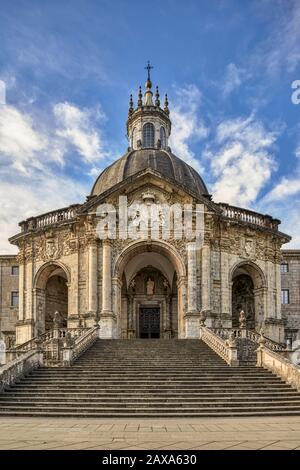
(150, 286)
(248, 294)
(50, 296)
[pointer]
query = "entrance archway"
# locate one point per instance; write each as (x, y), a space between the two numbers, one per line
(248, 294)
(50, 296)
(243, 299)
(149, 305)
(150, 284)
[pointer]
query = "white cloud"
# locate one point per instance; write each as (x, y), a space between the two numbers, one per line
(281, 50)
(20, 143)
(32, 157)
(77, 129)
(232, 80)
(241, 160)
(187, 127)
(286, 188)
(21, 200)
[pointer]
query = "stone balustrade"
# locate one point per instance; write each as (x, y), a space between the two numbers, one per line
(270, 344)
(252, 335)
(249, 217)
(23, 365)
(67, 214)
(52, 343)
(226, 349)
(279, 366)
(82, 344)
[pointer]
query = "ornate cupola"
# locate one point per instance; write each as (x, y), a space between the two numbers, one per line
(148, 125)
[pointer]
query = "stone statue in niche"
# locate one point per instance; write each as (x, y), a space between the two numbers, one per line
(166, 284)
(150, 286)
(56, 320)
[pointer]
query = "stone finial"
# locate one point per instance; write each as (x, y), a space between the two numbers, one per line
(242, 319)
(202, 318)
(232, 340)
(166, 106)
(157, 100)
(140, 98)
(261, 340)
(130, 111)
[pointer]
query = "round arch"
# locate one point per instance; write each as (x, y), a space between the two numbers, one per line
(171, 301)
(250, 268)
(48, 269)
(143, 246)
(50, 289)
(248, 292)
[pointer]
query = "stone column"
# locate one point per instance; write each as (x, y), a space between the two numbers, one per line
(25, 326)
(92, 286)
(205, 278)
(21, 292)
(192, 278)
(225, 290)
(106, 277)
(192, 314)
(107, 317)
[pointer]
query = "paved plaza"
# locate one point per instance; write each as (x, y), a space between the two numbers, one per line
(266, 433)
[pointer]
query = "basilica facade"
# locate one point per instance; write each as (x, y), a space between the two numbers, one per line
(81, 264)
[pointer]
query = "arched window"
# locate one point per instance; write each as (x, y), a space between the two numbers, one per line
(163, 139)
(133, 138)
(148, 135)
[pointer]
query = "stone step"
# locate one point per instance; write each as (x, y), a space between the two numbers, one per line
(143, 374)
(164, 394)
(151, 401)
(159, 410)
(148, 414)
(142, 389)
(150, 378)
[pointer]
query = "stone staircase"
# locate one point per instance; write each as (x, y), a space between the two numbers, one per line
(150, 378)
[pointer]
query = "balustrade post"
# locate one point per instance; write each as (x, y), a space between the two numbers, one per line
(67, 355)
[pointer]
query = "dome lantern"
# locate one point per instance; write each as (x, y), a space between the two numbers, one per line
(148, 121)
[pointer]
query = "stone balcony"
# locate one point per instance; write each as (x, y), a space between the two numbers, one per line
(57, 217)
(249, 217)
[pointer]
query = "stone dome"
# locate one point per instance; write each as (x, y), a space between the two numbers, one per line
(161, 161)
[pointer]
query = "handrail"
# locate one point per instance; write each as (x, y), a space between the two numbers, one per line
(270, 343)
(18, 368)
(226, 349)
(71, 352)
(279, 366)
(251, 335)
(54, 333)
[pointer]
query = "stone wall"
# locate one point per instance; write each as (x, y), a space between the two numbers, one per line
(8, 283)
(291, 281)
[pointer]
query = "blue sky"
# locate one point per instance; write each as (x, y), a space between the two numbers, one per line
(68, 68)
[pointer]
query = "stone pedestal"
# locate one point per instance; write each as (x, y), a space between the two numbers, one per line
(108, 327)
(191, 320)
(24, 331)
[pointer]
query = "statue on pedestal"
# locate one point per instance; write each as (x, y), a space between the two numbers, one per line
(150, 287)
